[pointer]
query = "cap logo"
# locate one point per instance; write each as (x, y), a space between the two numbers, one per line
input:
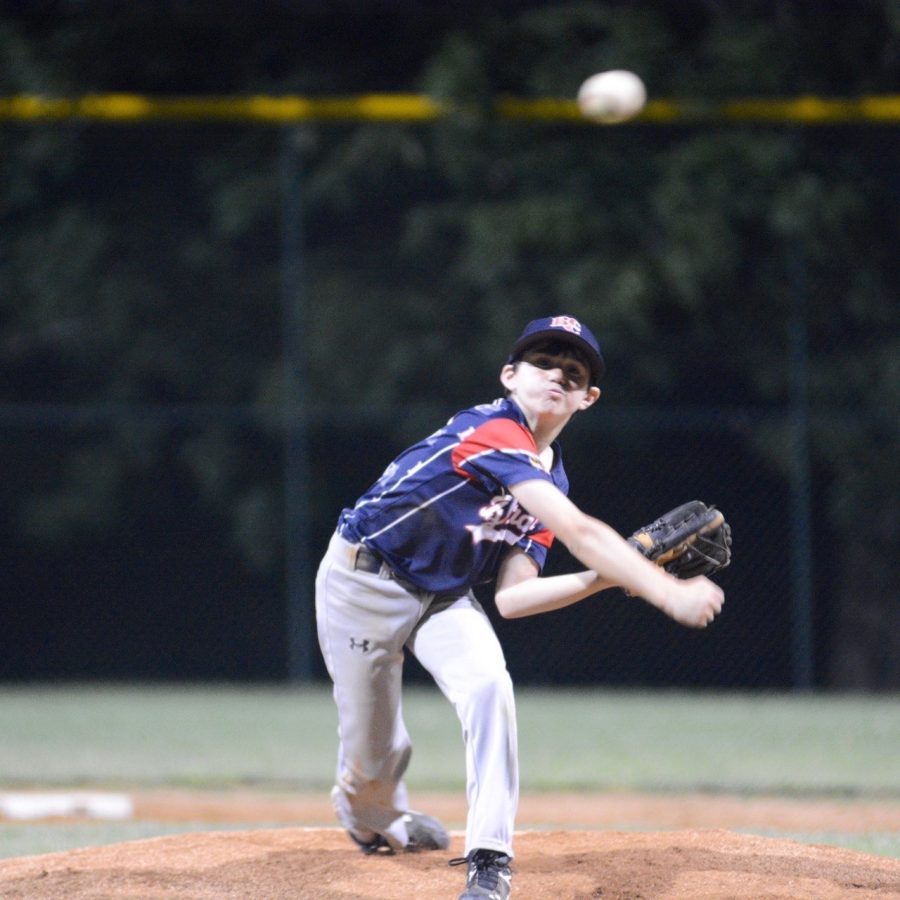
(567, 323)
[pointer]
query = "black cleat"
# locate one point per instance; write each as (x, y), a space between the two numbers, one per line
(424, 833)
(376, 845)
(489, 876)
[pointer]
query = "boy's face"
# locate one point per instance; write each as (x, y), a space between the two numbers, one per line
(556, 354)
(551, 377)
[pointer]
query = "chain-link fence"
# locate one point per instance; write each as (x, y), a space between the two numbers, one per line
(159, 588)
(165, 501)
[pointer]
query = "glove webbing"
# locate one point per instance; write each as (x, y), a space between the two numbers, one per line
(689, 540)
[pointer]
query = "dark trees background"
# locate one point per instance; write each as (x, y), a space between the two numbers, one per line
(142, 356)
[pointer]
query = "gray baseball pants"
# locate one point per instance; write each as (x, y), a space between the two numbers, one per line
(364, 622)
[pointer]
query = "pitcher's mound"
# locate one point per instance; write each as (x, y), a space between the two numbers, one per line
(320, 864)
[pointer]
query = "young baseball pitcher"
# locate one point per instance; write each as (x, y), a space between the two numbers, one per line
(479, 500)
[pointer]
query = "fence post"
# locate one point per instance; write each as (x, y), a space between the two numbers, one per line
(300, 625)
(801, 480)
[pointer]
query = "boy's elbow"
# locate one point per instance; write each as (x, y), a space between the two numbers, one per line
(506, 609)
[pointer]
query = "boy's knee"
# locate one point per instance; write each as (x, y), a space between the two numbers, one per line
(492, 689)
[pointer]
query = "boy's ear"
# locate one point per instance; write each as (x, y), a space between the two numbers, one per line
(507, 373)
(591, 397)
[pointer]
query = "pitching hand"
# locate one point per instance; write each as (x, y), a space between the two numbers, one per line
(694, 602)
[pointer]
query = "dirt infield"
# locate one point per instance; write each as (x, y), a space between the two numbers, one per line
(693, 854)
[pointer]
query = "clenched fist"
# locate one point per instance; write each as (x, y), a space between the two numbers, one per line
(694, 602)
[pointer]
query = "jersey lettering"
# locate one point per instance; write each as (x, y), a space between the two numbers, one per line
(504, 520)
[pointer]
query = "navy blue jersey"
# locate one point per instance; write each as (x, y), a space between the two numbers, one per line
(442, 516)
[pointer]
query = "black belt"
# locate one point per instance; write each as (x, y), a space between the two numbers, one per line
(367, 560)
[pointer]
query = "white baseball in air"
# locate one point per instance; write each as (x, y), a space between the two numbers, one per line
(611, 97)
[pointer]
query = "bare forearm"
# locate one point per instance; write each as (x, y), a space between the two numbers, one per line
(540, 595)
(605, 551)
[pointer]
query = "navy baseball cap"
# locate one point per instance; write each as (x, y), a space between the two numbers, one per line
(562, 328)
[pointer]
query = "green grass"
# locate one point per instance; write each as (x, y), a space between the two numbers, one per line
(147, 735)
(724, 742)
(590, 739)
(214, 737)
(879, 843)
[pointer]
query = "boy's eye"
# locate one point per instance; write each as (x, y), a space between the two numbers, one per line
(573, 372)
(540, 362)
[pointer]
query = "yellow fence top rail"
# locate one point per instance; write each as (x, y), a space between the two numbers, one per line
(419, 108)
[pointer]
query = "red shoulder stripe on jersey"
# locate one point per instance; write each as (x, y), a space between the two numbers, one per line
(496, 434)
